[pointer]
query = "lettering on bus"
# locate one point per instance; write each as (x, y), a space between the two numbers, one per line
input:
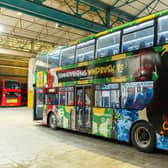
(101, 70)
(73, 74)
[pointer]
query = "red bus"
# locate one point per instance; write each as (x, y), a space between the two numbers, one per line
(10, 93)
(24, 92)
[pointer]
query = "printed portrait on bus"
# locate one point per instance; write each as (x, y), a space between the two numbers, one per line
(157, 109)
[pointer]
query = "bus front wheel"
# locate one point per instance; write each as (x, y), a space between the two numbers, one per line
(52, 123)
(143, 137)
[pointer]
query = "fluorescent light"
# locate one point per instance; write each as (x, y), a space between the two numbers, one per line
(19, 13)
(56, 25)
(1, 28)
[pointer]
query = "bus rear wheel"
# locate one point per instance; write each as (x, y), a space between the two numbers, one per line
(143, 137)
(52, 123)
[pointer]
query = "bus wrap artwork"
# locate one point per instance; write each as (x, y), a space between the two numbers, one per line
(115, 123)
(135, 67)
(113, 84)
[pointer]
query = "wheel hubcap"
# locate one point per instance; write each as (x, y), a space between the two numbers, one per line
(52, 121)
(142, 137)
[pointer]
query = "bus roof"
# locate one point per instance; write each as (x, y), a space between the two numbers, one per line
(134, 22)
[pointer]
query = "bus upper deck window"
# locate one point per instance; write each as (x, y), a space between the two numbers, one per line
(108, 45)
(138, 37)
(162, 30)
(54, 59)
(67, 56)
(85, 51)
(41, 62)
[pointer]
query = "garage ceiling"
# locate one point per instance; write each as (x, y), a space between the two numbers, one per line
(26, 36)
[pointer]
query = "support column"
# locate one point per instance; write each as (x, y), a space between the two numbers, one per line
(31, 81)
(108, 19)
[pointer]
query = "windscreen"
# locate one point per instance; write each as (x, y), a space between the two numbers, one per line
(12, 85)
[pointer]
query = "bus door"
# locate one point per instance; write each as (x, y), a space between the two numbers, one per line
(83, 107)
(38, 103)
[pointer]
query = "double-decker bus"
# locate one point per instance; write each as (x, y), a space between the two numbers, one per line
(112, 84)
(10, 93)
(24, 91)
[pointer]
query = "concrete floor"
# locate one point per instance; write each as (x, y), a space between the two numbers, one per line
(24, 144)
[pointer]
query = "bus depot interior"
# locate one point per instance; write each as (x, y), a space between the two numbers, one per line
(83, 83)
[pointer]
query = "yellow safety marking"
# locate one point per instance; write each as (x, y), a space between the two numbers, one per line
(82, 64)
(165, 49)
(118, 79)
(40, 79)
(59, 84)
(68, 109)
(101, 33)
(83, 82)
(30, 99)
(145, 18)
(99, 111)
(58, 69)
(73, 42)
(117, 57)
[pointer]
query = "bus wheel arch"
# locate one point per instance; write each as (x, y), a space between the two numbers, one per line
(142, 136)
(51, 120)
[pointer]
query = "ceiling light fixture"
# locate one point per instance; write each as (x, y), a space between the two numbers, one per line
(1, 28)
(58, 25)
(19, 13)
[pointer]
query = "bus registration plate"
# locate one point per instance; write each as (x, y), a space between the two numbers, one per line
(11, 101)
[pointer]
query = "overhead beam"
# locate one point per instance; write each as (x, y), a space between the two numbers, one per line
(111, 8)
(8, 52)
(51, 14)
(14, 67)
(13, 75)
(146, 7)
(13, 60)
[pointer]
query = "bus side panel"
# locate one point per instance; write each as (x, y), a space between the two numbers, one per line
(66, 115)
(113, 123)
(46, 111)
(102, 121)
(162, 142)
(157, 109)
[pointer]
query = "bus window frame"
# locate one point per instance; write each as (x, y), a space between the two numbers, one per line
(157, 30)
(66, 96)
(119, 89)
(76, 47)
(121, 94)
(139, 30)
(59, 61)
(155, 38)
(97, 38)
(61, 53)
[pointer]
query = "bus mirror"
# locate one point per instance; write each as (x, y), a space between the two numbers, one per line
(34, 85)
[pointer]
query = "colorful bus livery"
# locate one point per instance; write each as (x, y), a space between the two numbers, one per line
(113, 84)
(10, 93)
